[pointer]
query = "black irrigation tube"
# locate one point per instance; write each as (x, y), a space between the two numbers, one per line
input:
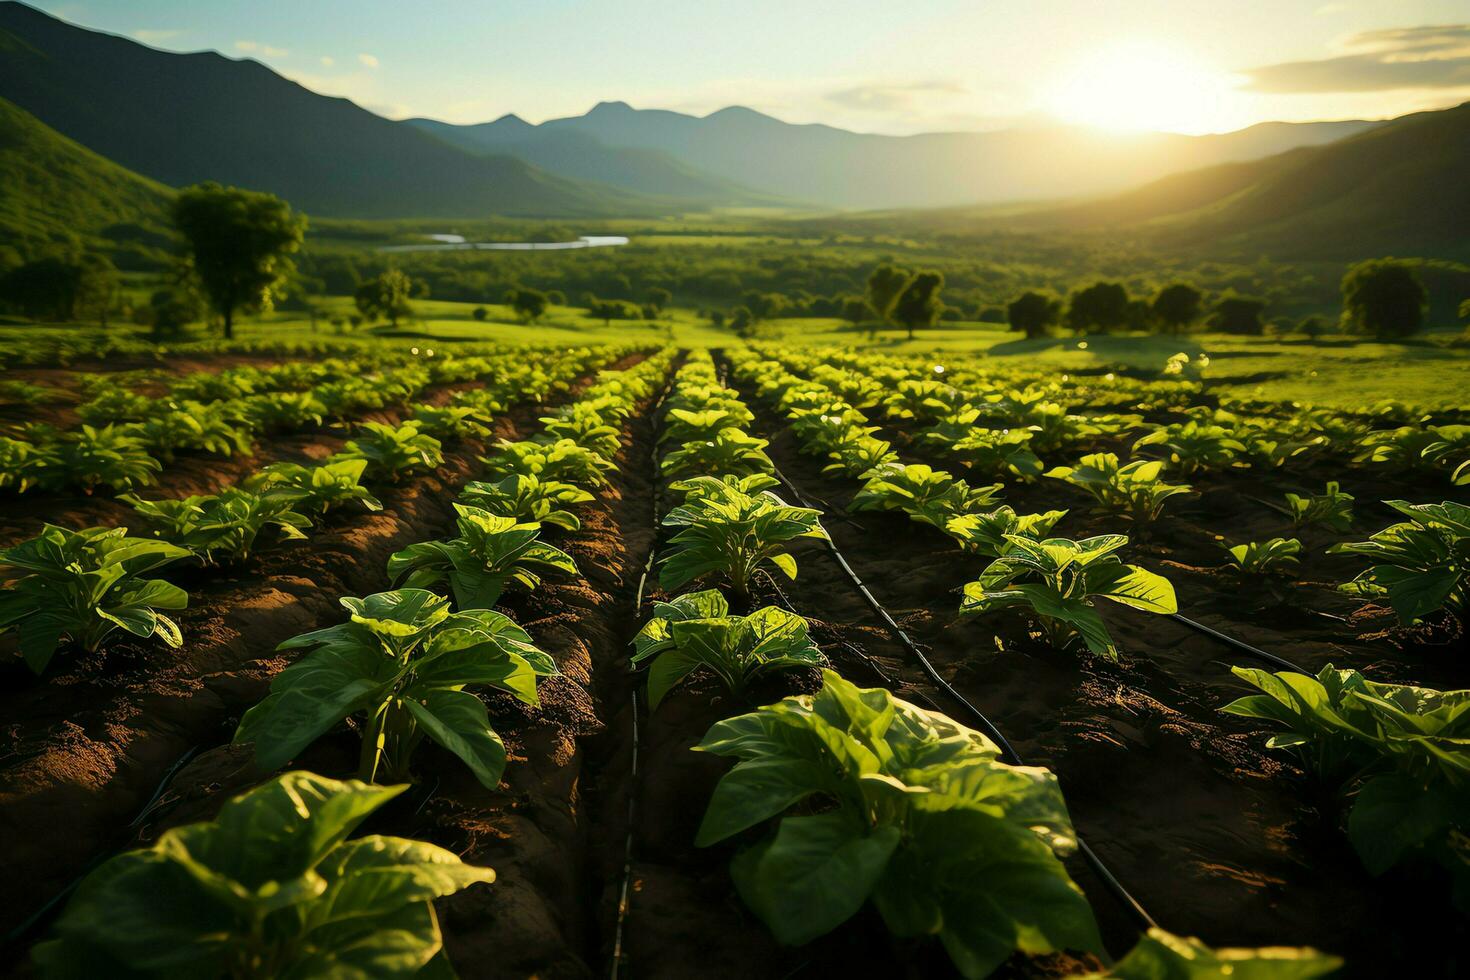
(625, 889)
(1131, 905)
(1240, 645)
(41, 914)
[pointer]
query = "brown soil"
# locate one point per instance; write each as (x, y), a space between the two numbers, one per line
(87, 745)
(1215, 835)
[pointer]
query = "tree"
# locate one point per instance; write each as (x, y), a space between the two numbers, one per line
(608, 310)
(529, 304)
(919, 304)
(385, 297)
(885, 283)
(1384, 297)
(856, 310)
(1177, 306)
(556, 297)
(717, 318)
(1239, 314)
(480, 314)
(172, 310)
(991, 314)
(240, 243)
(741, 321)
(1312, 326)
(1100, 307)
(45, 288)
(660, 298)
(1033, 312)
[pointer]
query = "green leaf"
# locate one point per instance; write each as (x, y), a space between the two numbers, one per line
(813, 875)
(459, 721)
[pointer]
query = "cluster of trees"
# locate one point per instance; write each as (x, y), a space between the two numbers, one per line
(1382, 297)
(62, 287)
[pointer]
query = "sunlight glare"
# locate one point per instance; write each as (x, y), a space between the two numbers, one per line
(1144, 87)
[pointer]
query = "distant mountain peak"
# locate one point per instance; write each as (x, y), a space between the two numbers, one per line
(609, 107)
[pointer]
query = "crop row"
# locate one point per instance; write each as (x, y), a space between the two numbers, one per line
(272, 886)
(1395, 752)
(126, 438)
(851, 797)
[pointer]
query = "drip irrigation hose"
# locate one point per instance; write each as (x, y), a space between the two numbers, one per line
(41, 914)
(625, 889)
(1240, 645)
(1131, 905)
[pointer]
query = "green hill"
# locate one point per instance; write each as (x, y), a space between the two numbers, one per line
(185, 118)
(1399, 188)
(53, 190)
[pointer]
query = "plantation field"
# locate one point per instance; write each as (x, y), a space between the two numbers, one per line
(791, 655)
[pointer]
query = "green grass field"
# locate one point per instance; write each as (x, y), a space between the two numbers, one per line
(1337, 370)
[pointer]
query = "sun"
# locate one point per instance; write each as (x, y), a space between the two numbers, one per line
(1144, 87)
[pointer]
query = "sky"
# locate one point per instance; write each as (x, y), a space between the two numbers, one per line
(869, 65)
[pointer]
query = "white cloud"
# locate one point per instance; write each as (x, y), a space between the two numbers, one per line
(328, 62)
(264, 50)
(156, 37)
(368, 60)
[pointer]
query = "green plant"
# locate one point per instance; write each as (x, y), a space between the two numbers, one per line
(927, 495)
(995, 453)
(695, 632)
(1332, 508)
(490, 554)
(82, 586)
(1275, 556)
(316, 489)
(917, 815)
(391, 451)
(1058, 579)
(196, 427)
(585, 426)
(1133, 490)
(1159, 955)
(19, 464)
(1193, 446)
(91, 457)
(401, 666)
(730, 450)
(284, 411)
(227, 522)
(1419, 565)
(729, 531)
(562, 461)
(452, 422)
(528, 499)
(985, 533)
(1399, 753)
(270, 888)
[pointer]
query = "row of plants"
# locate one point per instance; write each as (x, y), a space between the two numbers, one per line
(852, 798)
(62, 346)
(1429, 573)
(82, 587)
(126, 438)
(1395, 755)
(1055, 580)
(273, 886)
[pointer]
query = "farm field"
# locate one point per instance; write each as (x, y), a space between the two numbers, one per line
(1032, 659)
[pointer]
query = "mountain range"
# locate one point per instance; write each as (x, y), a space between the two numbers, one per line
(95, 129)
(830, 167)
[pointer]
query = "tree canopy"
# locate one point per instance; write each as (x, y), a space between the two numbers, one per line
(1032, 312)
(240, 244)
(1384, 297)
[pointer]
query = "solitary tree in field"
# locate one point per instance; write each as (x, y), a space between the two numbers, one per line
(884, 285)
(1383, 297)
(919, 304)
(385, 297)
(240, 243)
(1033, 312)
(1312, 326)
(1177, 306)
(856, 310)
(660, 298)
(742, 321)
(1100, 307)
(1239, 314)
(480, 314)
(530, 304)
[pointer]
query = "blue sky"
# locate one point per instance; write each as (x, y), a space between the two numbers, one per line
(872, 65)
